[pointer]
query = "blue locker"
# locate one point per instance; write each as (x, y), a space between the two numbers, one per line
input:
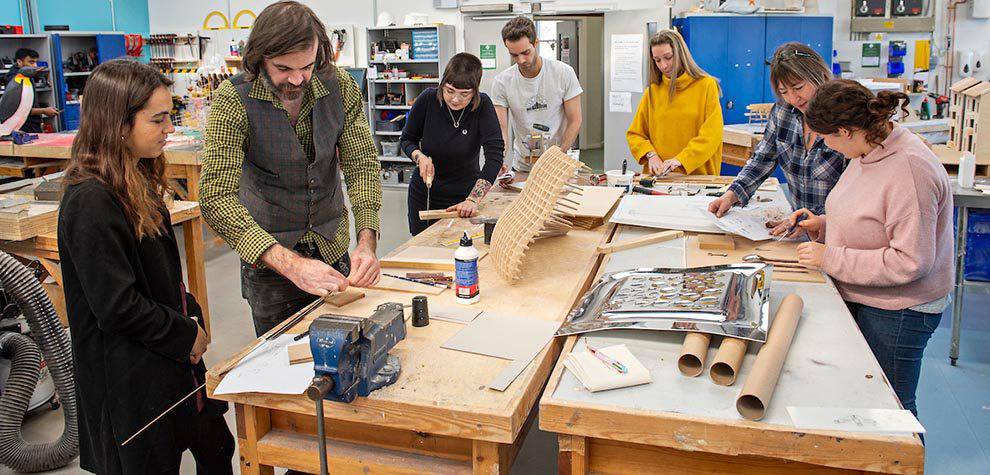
(816, 31)
(780, 30)
(110, 47)
(744, 68)
(706, 38)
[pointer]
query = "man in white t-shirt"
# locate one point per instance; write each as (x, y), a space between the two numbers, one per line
(534, 95)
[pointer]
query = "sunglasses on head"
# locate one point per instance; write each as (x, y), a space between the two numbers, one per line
(789, 55)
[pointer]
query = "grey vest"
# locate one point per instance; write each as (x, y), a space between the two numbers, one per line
(285, 193)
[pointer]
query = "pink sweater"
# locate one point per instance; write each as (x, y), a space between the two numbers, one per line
(889, 226)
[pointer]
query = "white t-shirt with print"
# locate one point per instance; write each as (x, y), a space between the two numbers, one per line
(539, 100)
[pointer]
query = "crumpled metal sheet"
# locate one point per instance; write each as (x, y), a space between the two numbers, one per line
(731, 300)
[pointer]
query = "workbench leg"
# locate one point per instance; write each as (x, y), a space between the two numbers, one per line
(192, 182)
(252, 424)
(196, 266)
(572, 458)
(490, 458)
(962, 225)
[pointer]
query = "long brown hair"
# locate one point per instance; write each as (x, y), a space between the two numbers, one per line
(847, 104)
(794, 62)
(115, 92)
(462, 72)
(283, 28)
(683, 61)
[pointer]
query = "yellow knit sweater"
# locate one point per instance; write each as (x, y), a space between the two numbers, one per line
(689, 128)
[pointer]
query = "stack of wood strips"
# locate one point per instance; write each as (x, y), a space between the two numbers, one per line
(22, 221)
(595, 204)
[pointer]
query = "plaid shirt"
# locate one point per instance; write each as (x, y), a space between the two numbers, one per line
(227, 135)
(810, 175)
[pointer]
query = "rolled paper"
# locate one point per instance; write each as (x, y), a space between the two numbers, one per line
(729, 358)
(755, 396)
(692, 359)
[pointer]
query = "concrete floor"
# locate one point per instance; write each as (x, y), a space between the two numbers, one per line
(954, 402)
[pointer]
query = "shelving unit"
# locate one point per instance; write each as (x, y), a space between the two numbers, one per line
(107, 45)
(9, 44)
(423, 72)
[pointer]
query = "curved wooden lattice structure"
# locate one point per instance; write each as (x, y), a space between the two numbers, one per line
(540, 211)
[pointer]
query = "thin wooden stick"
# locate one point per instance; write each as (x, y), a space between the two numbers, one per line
(146, 426)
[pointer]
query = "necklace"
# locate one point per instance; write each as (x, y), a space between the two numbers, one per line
(457, 123)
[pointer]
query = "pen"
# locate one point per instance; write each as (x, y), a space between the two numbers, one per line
(791, 229)
(606, 359)
(418, 281)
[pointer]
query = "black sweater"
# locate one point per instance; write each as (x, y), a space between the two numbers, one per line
(430, 129)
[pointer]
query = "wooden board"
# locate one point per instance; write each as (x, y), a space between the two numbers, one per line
(432, 214)
(340, 299)
(655, 238)
(697, 257)
(595, 201)
(425, 257)
(39, 218)
(716, 242)
(300, 353)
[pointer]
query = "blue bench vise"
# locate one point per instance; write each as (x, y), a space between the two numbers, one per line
(350, 354)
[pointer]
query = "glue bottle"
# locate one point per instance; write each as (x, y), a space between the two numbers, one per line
(466, 272)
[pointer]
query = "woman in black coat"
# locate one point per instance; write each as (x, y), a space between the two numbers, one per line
(444, 133)
(137, 343)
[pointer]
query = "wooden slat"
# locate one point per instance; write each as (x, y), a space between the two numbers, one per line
(490, 458)
(613, 458)
(299, 452)
(654, 238)
(572, 455)
(256, 424)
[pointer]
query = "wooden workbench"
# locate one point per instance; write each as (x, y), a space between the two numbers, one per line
(738, 142)
(50, 152)
(439, 417)
(44, 248)
(690, 425)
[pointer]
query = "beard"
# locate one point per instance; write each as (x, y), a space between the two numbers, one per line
(284, 91)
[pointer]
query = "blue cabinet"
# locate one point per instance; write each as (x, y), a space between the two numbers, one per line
(108, 46)
(737, 49)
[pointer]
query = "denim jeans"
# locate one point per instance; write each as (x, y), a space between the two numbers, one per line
(274, 298)
(898, 339)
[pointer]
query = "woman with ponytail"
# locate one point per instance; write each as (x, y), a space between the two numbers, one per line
(886, 235)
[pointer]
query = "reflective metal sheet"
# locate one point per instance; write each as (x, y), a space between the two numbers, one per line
(731, 300)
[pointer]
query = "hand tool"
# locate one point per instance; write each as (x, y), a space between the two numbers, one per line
(350, 359)
(429, 184)
(418, 281)
(801, 217)
(647, 191)
(625, 166)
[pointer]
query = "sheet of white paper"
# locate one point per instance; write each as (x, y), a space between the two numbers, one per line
(595, 375)
(619, 101)
(886, 421)
(627, 63)
(747, 224)
(666, 212)
(267, 370)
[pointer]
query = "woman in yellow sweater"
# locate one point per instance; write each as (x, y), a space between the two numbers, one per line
(678, 125)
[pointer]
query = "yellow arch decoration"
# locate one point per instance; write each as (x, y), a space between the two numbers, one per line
(216, 13)
(241, 13)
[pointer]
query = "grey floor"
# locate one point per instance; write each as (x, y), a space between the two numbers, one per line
(954, 402)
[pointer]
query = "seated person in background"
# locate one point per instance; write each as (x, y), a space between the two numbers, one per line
(28, 58)
(534, 95)
(137, 346)
(678, 126)
(811, 168)
(444, 133)
(887, 228)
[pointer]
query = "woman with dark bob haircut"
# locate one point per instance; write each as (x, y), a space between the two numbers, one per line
(137, 337)
(444, 134)
(886, 235)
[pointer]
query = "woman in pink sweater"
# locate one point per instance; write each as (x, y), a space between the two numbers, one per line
(886, 235)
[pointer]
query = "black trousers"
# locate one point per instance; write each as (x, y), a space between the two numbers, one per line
(274, 298)
(442, 196)
(213, 449)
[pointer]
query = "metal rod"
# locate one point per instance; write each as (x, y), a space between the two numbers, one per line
(962, 221)
(321, 434)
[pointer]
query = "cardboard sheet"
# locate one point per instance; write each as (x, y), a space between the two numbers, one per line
(881, 421)
(686, 213)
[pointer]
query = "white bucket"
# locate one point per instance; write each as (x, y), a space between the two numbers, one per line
(619, 179)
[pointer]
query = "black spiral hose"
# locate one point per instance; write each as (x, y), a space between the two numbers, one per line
(15, 452)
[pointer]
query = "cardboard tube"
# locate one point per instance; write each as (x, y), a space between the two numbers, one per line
(727, 361)
(756, 392)
(692, 359)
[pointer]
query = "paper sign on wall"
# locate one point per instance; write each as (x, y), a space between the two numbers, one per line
(627, 63)
(871, 55)
(619, 101)
(487, 55)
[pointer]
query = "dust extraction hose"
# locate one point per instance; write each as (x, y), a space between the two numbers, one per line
(15, 452)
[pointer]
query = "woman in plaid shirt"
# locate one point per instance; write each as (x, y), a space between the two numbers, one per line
(811, 168)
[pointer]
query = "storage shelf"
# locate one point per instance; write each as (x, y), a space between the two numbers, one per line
(386, 158)
(391, 134)
(82, 73)
(405, 61)
(418, 27)
(405, 81)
